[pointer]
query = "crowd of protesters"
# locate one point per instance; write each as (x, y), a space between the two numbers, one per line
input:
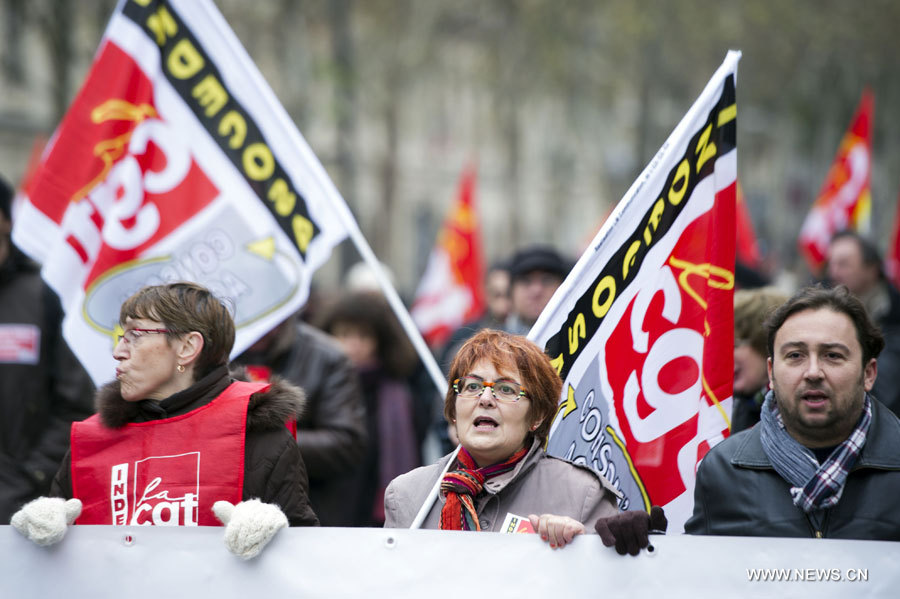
(815, 449)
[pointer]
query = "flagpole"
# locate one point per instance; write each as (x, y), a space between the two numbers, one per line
(432, 495)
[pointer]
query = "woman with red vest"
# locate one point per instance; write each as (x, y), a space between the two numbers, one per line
(176, 441)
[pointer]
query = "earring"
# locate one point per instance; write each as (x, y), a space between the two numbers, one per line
(535, 427)
(180, 368)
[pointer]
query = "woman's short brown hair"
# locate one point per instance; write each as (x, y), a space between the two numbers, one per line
(184, 307)
(541, 381)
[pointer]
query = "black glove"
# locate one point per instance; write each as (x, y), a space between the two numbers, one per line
(629, 531)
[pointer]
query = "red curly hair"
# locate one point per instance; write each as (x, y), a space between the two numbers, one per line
(511, 352)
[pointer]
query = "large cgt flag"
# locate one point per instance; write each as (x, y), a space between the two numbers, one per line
(176, 161)
(450, 293)
(641, 331)
(844, 201)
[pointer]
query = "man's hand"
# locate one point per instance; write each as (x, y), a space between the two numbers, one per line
(556, 530)
(249, 525)
(629, 531)
(45, 519)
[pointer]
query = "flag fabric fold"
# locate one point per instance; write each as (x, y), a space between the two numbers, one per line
(175, 161)
(641, 331)
(844, 202)
(450, 293)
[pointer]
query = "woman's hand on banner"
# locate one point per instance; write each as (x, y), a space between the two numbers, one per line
(249, 525)
(556, 530)
(46, 519)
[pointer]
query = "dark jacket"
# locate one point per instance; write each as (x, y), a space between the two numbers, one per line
(738, 492)
(332, 429)
(745, 410)
(273, 468)
(884, 308)
(42, 390)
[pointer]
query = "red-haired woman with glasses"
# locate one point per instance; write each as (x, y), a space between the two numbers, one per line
(176, 441)
(501, 401)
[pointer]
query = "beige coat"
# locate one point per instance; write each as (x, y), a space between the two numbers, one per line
(540, 484)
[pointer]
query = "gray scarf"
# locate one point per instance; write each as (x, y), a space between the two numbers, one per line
(814, 486)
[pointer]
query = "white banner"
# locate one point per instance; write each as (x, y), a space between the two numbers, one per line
(176, 162)
(641, 330)
(154, 562)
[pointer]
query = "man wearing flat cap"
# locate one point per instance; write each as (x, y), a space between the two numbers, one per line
(535, 271)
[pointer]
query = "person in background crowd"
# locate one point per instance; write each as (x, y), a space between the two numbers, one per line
(751, 381)
(331, 431)
(496, 291)
(43, 387)
(173, 400)
(367, 330)
(501, 401)
(361, 277)
(854, 261)
(824, 460)
(535, 273)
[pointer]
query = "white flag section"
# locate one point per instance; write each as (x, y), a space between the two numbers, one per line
(156, 561)
(641, 330)
(176, 162)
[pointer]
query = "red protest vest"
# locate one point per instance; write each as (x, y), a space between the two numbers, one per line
(165, 472)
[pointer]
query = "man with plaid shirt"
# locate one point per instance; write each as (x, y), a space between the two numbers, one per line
(824, 461)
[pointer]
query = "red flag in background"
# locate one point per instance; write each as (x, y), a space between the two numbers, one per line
(747, 249)
(892, 261)
(844, 201)
(450, 293)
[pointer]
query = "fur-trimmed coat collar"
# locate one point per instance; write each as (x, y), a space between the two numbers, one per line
(267, 410)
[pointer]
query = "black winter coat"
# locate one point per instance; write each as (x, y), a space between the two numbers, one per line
(738, 492)
(332, 429)
(274, 471)
(42, 390)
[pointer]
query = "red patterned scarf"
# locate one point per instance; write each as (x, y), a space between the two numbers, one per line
(462, 485)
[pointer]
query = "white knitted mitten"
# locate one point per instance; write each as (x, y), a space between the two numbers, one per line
(44, 520)
(249, 525)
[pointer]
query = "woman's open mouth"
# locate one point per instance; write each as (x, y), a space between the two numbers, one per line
(485, 423)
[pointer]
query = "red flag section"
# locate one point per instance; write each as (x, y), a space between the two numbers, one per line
(112, 185)
(450, 293)
(844, 201)
(681, 352)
